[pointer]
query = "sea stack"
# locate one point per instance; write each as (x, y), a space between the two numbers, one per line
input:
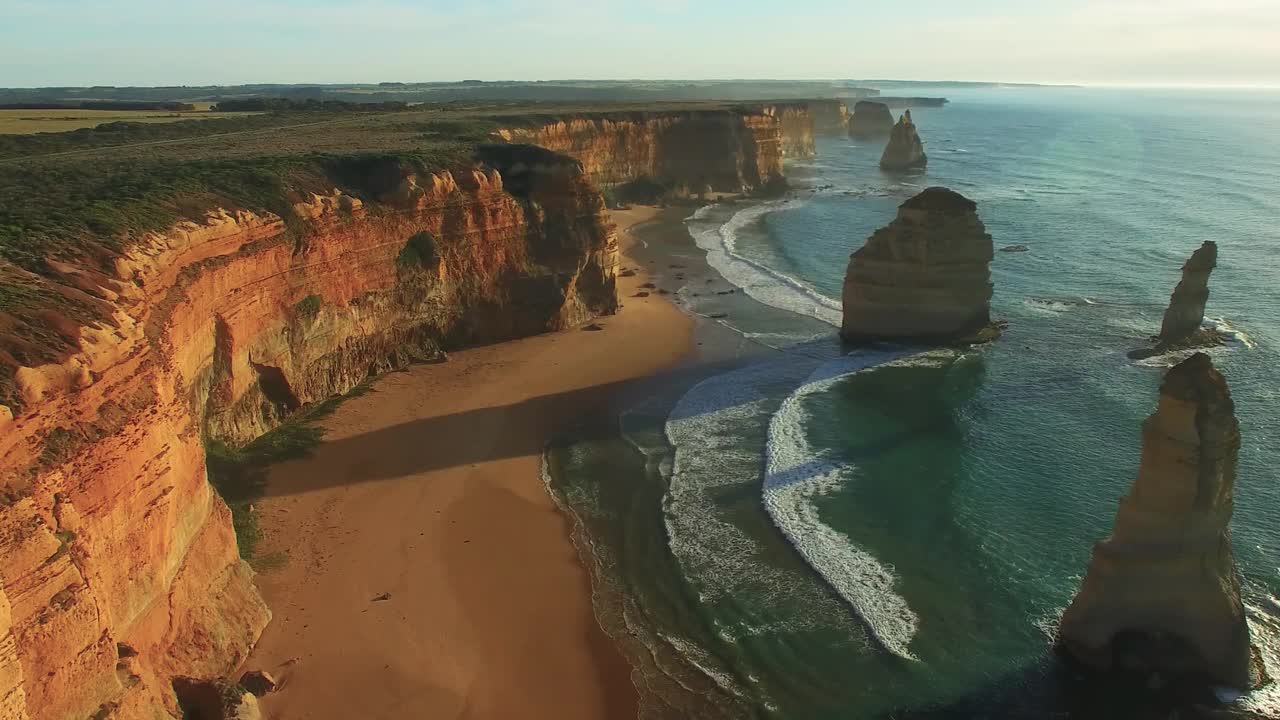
(1162, 595)
(1184, 318)
(925, 277)
(904, 151)
(1186, 307)
(870, 119)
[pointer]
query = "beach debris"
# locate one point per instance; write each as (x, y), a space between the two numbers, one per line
(258, 682)
(627, 273)
(664, 291)
(641, 294)
(648, 286)
(718, 315)
(726, 292)
(382, 598)
(593, 327)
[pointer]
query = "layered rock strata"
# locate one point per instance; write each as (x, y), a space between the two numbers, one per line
(905, 151)
(1162, 595)
(119, 569)
(925, 277)
(687, 151)
(796, 126)
(870, 119)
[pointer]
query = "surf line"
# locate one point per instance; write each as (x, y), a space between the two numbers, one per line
(796, 475)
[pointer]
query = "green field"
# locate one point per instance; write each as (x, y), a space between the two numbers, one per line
(26, 122)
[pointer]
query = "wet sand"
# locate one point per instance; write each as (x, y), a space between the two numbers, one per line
(428, 572)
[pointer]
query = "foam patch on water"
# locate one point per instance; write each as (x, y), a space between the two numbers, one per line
(759, 281)
(796, 475)
(717, 429)
(1233, 338)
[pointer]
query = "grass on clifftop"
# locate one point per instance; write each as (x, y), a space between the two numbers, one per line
(239, 474)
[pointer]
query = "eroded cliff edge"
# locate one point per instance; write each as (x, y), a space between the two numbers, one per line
(119, 567)
(1162, 595)
(119, 355)
(723, 150)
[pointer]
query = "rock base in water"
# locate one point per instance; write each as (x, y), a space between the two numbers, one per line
(924, 278)
(1161, 601)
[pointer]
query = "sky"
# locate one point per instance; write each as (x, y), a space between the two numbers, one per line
(199, 42)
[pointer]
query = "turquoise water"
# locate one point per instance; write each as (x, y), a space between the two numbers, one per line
(801, 533)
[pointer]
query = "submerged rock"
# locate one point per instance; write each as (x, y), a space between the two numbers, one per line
(1162, 595)
(905, 151)
(870, 119)
(926, 277)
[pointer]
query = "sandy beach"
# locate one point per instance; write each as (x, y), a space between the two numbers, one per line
(428, 572)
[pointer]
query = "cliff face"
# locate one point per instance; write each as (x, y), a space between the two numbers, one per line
(830, 117)
(870, 119)
(118, 565)
(925, 277)
(1186, 307)
(905, 151)
(1162, 594)
(723, 150)
(796, 126)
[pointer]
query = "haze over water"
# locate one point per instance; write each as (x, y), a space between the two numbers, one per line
(800, 540)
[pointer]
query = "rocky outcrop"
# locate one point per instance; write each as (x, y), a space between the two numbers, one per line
(686, 151)
(796, 126)
(1186, 307)
(1183, 326)
(1161, 599)
(119, 568)
(830, 116)
(870, 119)
(925, 277)
(905, 151)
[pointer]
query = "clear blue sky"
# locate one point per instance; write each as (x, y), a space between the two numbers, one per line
(164, 42)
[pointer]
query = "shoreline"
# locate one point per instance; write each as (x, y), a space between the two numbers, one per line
(429, 490)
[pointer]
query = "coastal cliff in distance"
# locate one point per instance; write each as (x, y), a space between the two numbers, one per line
(1162, 595)
(905, 151)
(796, 128)
(926, 277)
(830, 116)
(119, 570)
(870, 119)
(721, 150)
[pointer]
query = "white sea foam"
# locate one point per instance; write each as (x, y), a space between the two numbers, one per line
(796, 475)
(761, 282)
(709, 429)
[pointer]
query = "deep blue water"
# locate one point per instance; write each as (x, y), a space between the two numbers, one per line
(792, 537)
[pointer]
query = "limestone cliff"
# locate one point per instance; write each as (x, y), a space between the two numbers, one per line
(796, 126)
(925, 277)
(688, 151)
(1186, 307)
(118, 565)
(1162, 595)
(830, 116)
(905, 151)
(870, 119)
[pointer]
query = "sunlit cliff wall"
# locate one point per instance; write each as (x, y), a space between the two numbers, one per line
(119, 569)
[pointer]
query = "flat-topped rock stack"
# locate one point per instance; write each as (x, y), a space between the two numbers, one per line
(1161, 599)
(905, 150)
(925, 277)
(870, 119)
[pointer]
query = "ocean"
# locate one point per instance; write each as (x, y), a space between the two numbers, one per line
(798, 531)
